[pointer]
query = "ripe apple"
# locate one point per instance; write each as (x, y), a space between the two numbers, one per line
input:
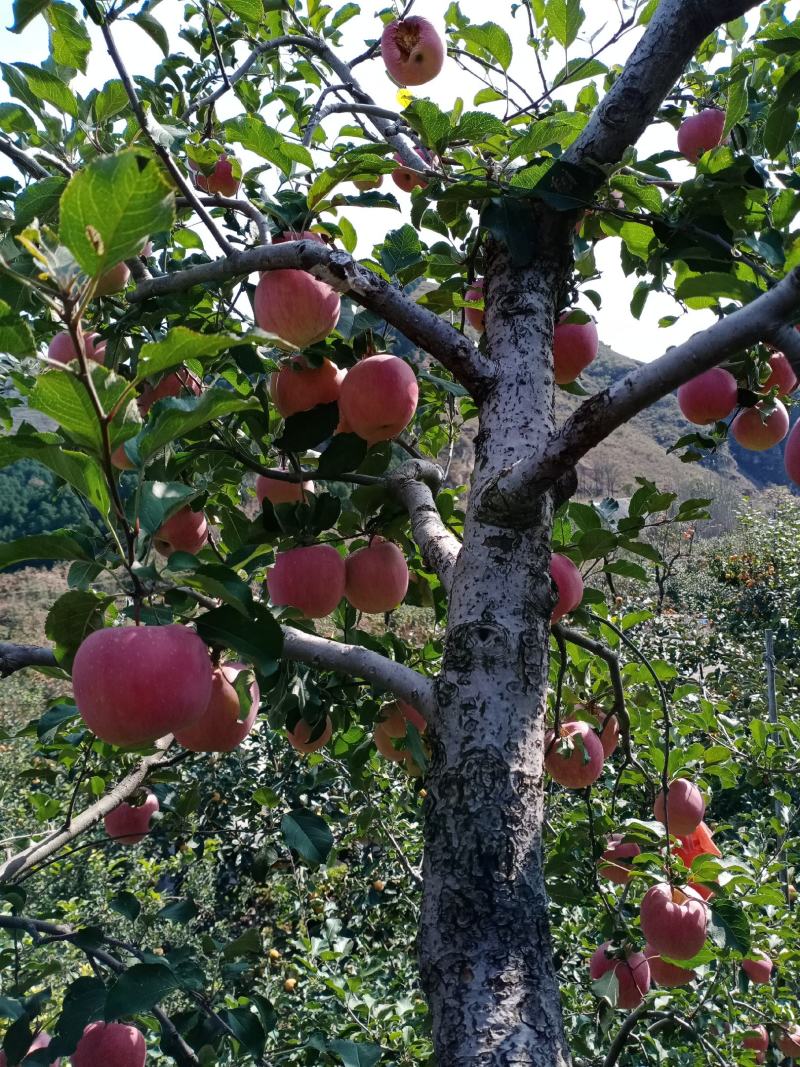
(379, 397)
(384, 743)
(111, 1044)
(42, 1040)
(700, 133)
(172, 384)
(221, 727)
(575, 758)
(685, 807)
(279, 492)
(606, 727)
(632, 973)
(221, 180)
(575, 346)
(413, 716)
(300, 738)
(709, 397)
(667, 975)
(120, 460)
(134, 684)
(753, 432)
(186, 531)
(412, 50)
(376, 577)
(789, 1042)
(697, 843)
(294, 306)
(674, 921)
(405, 178)
(62, 350)
(614, 863)
(113, 281)
(369, 183)
(300, 387)
(758, 968)
(791, 455)
(129, 824)
(475, 316)
(782, 376)
(310, 579)
(758, 1039)
(569, 585)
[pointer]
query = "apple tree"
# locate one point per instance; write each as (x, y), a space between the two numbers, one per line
(182, 299)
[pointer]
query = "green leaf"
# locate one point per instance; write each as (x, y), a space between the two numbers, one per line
(308, 834)
(82, 472)
(353, 1054)
(153, 28)
(179, 911)
(247, 1027)
(715, 284)
(779, 129)
(25, 11)
(492, 39)
(307, 429)
(344, 14)
(65, 398)
(737, 99)
(39, 201)
(429, 121)
(728, 926)
(46, 86)
(345, 453)
(512, 222)
(246, 944)
(58, 545)
(577, 70)
(157, 501)
(69, 40)
(110, 101)
(561, 129)
(125, 903)
(16, 336)
(564, 17)
(181, 344)
(175, 416)
(82, 1004)
(72, 618)
(477, 126)
(139, 989)
(258, 639)
(252, 132)
(349, 167)
(111, 206)
(249, 10)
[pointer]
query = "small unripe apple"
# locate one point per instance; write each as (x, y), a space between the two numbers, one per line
(752, 431)
(758, 968)
(310, 579)
(575, 346)
(369, 183)
(615, 862)
(221, 180)
(129, 824)
(300, 387)
(685, 807)
(299, 738)
(113, 281)
(789, 1042)
(791, 455)
(475, 316)
(274, 954)
(186, 531)
(667, 975)
(376, 577)
(62, 350)
(290, 985)
(405, 178)
(42, 1040)
(173, 384)
(782, 376)
(632, 973)
(295, 307)
(276, 491)
(384, 745)
(379, 397)
(110, 1044)
(134, 684)
(221, 727)
(412, 50)
(568, 582)
(709, 397)
(674, 921)
(575, 758)
(379, 886)
(700, 133)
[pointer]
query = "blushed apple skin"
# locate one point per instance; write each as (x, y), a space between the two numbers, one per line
(791, 455)
(608, 735)
(667, 975)
(279, 492)
(413, 716)
(376, 577)
(575, 346)
(299, 387)
(383, 743)
(685, 807)
(709, 397)
(221, 180)
(379, 397)
(62, 350)
(700, 133)
(476, 317)
(572, 770)
(753, 433)
(674, 921)
(297, 308)
(759, 1040)
(412, 50)
(405, 178)
(569, 584)
(134, 684)
(110, 1045)
(789, 1043)
(129, 824)
(219, 728)
(632, 974)
(613, 863)
(309, 579)
(186, 531)
(781, 376)
(758, 969)
(113, 281)
(299, 738)
(171, 385)
(42, 1040)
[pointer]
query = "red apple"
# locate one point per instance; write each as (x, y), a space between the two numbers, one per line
(685, 807)
(221, 180)
(134, 684)
(384, 745)
(752, 431)
(575, 346)
(277, 491)
(299, 739)
(697, 843)
(606, 727)
(569, 584)
(575, 758)
(758, 968)
(129, 824)
(405, 178)
(172, 384)
(393, 722)
(614, 863)
(709, 397)
(295, 307)
(757, 1039)
(120, 460)
(789, 1042)
(221, 727)
(62, 350)
(300, 387)
(632, 973)
(310, 579)
(791, 455)
(113, 281)
(667, 975)
(186, 531)
(412, 50)
(412, 715)
(110, 1045)
(700, 133)
(42, 1040)
(369, 183)
(475, 316)
(782, 376)
(379, 397)
(376, 577)
(674, 921)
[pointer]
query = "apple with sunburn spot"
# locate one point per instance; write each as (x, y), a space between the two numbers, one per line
(412, 50)
(128, 824)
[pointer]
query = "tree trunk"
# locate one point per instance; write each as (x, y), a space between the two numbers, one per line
(486, 955)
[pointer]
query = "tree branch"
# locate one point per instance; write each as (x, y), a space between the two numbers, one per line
(624, 1032)
(17, 657)
(319, 652)
(510, 497)
(232, 204)
(22, 160)
(441, 340)
(414, 484)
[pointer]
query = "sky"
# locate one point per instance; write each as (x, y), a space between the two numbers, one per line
(640, 339)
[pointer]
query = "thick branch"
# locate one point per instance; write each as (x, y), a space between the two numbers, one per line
(450, 347)
(510, 497)
(319, 652)
(414, 484)
(16, 657)
(618, 1044)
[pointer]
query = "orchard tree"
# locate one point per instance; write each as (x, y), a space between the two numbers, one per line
(180, 296)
